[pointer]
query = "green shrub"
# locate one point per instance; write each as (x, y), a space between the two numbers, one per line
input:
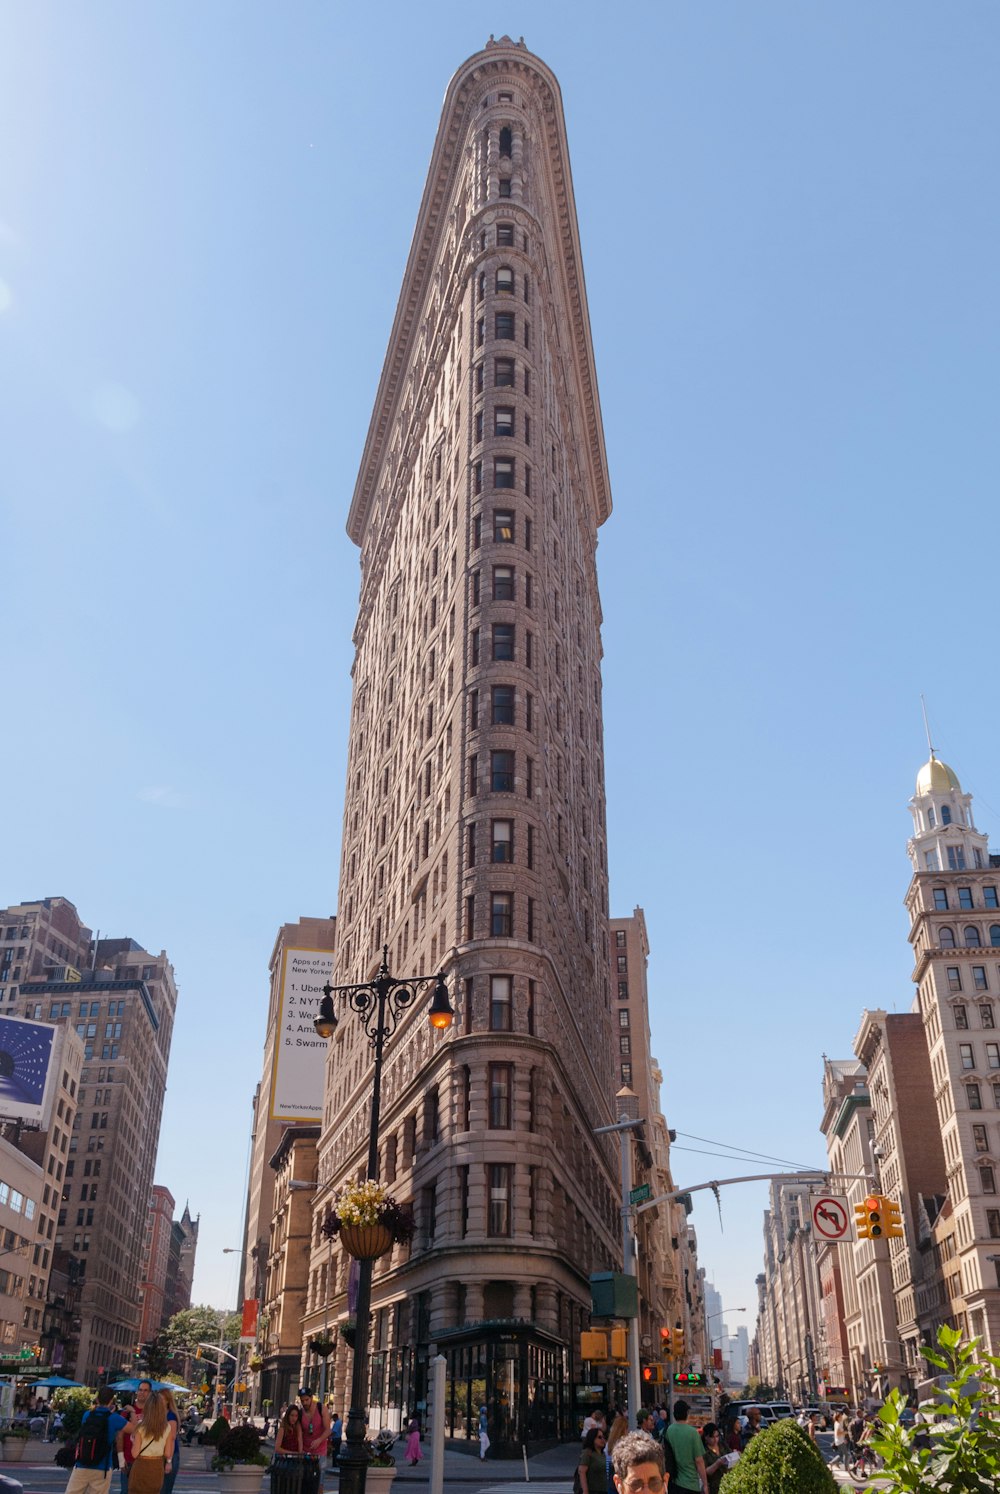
(780, 1461)
(240, 1444)
(964, 1450)
(74, 1402)
(216, 1431)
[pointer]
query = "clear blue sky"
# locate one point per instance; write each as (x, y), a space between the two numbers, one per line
(790, 228)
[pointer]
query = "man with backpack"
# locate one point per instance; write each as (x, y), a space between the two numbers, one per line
(95, 1448)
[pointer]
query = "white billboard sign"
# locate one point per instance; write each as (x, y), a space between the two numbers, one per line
(299, 1053)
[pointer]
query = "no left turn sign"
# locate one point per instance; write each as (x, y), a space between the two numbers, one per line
(830, 1218)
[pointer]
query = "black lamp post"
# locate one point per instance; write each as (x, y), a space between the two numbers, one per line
(379, 1003)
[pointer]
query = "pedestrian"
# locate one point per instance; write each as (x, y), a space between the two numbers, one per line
(484, 1433)
(288, 1439)
(151, 1447)
(841, 1443)
(593, 1419)
(645, 1421)
(689, 1453)
(618, 1429)
(315, 1430)
(413, 1453)
(133, 1415)
(593, 1469)
(639, 1464)
(336, 1437)
(95, 1447)
(174, 1444)
(716, 1460)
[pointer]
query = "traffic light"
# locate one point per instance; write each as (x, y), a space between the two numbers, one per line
(665, 1350)
(619, 1345)
(677, 1340)
(652, 1374)
(893, 1220)
(868, 1217)
(594, 1345)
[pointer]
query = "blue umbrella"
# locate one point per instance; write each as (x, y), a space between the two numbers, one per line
(133, 1384)
(57, 1382)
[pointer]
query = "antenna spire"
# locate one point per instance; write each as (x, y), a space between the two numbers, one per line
(927, 728)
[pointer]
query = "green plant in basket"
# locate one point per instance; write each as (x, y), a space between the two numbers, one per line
(368, 1203)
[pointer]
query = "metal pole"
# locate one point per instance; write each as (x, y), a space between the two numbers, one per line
(354, 1459)
(629, 1267)
(437, 1417)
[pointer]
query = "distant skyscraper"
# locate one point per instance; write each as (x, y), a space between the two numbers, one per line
(120, 1000)
(474, 832)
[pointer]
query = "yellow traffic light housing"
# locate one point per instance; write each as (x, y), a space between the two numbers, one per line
(653, 1374)
(665, 1343)
(893, 1219)
(861, 1221)
(875, 1208)
(619, 1345)
(677, 1342)
(594, 1345)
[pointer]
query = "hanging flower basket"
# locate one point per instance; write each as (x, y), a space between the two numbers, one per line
(368, 1220)
(324, 1347)
(366, 1241)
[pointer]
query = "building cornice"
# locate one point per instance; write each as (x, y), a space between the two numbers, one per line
(505, 61)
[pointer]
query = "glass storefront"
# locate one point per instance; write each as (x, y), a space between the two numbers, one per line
(518, 1373)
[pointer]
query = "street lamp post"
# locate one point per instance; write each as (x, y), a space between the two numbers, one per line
(380, 1003)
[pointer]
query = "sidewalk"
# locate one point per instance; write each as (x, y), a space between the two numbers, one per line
(556, 1464)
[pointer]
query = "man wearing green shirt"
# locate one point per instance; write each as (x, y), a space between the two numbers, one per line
(689, 1452)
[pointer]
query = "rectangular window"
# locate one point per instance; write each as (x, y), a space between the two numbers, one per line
(499, 1211)
(979, 978)
(480, 332)
(941, 899)
(477, 531)
(965, 897)
(504, 186)
(474, 774)
(501, 1080)
(479, 378)
(973, 1097)
(479, 425)
(502, 772)
(501, 1002)
(503, 642)
(502, 840)
(990, 897)
(463, 1198)
(993, 1055)
(473, 709)
(501, 915)
(475, 588)
(993, 1223)
(986, 1016)
(503, 526)
(504, 326)
(624, 1044)
(505, 281)
(987, 1180)
(968, 1059)
(961, 1018)
(505, 235)
(474, 646)
(626, 1072)
(529, 711)
(622, 963)
(503, 421)
(470, 929)
(529, 778)
(502, 703)
(477, 477)
(956, 858)
(954, 978)
(623, 1017)
(503, 472)
(503, 583)
(527, 534)
(527, 591)
(503, 373)
(470, 845)
(531, 920)
(979, 1139)
(529, 648)
(530, 857)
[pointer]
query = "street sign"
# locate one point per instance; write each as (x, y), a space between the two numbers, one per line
(640, 1194)
(831, 1218)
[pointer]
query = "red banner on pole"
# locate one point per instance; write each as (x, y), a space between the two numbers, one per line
(250, 1309)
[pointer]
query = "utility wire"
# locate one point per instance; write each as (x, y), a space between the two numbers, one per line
(703, 1152)
(746, 1151)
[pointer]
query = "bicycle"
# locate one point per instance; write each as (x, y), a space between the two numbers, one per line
(865, 1462)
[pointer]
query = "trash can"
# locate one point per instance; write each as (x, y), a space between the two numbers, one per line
(288, 1474)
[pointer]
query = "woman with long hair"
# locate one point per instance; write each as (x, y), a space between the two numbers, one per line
(150, 1439)
(288, 1442)
(173, 1454)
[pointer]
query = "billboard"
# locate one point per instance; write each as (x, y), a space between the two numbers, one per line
(299, 1053)
(28, 1075)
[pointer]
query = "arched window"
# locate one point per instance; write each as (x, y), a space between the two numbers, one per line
(995, 935)
(945, 814)
(505, 281)
(946, 938)
(931, 819)
(506, 139)
(972, 935)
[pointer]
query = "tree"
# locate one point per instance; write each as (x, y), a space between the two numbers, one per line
(201, 1325)
(961, 1453)
(778, 1461)
(158, 1356)
(74, 1403)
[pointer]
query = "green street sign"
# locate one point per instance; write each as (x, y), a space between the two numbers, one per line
(640, 1194)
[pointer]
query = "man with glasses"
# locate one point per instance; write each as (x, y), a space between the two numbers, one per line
(689, 1452)
(315, 1434)
(638, 1463)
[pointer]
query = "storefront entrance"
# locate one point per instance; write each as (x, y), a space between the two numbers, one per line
(518, 1373)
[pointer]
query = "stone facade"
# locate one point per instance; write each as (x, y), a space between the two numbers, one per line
(284, 1297)
(474, 835)
(156, 1262)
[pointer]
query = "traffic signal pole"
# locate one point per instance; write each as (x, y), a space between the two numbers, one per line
(624, 1128)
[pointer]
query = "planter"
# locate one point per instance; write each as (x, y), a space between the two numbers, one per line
(209, 1453)
(242, 1478)
(13, 1449)
(364, 1242)
(379, 1480)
